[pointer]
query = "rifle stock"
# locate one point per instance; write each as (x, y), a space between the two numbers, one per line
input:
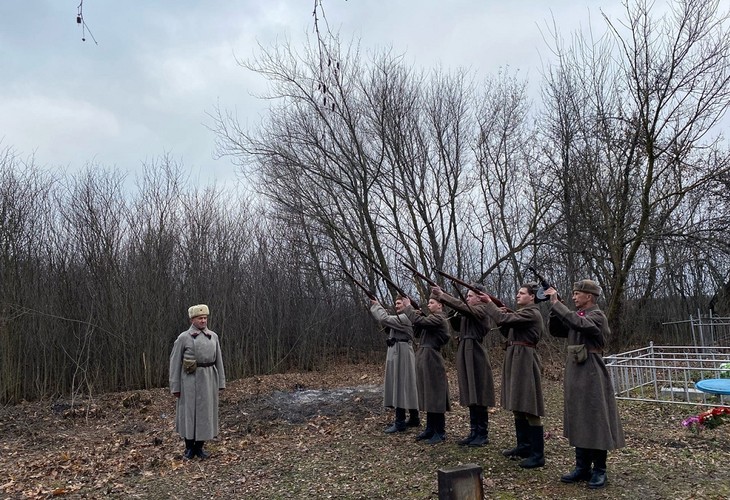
(463, 283)
(365, 289)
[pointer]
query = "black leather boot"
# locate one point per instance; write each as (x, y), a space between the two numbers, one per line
(427, 433)
(198, 450)
(582, 471)
(413, 419)
(472, 427)
(598, 478)
(522, 432)
(482, 427)
(439, 428)
(537, 448)
(400, 422)
(189, 449)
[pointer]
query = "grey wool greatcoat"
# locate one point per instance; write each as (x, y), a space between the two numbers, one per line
(399, 388)
(474, 372)
(590, 416)
(197, 407)
(433, 385)
(522, 368)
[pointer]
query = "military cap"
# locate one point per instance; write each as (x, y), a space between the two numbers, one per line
(588, 286)
(199, 310)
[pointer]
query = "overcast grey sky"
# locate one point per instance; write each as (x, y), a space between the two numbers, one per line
(160, 65)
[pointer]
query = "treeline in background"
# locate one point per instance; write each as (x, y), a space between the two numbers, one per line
(618, 172)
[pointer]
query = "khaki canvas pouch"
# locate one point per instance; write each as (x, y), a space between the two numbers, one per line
(579, 353)
(189, 365)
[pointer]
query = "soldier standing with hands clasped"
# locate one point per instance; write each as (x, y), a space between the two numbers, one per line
(590, 416)
(196, 376)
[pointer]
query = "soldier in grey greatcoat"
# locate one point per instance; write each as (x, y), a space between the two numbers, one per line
(433, 385)
(400, 390)
(590, 417)
(196, 376)
(522, 373)
(474, 372)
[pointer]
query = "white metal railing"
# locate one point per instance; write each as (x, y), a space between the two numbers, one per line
(668, 373)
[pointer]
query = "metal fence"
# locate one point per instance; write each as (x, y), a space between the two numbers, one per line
(699, 331)
(668, 374)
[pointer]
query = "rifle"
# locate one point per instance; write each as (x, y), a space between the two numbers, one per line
(544, 285)
(420, 275)
(390, 282)
(456, 323)
(359, 283)
(398, 289)
(463, 283)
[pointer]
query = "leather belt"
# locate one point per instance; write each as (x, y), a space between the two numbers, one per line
(390, 342)
(519, 342)
(205, 365)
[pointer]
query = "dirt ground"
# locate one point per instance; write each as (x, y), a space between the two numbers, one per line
(319, 435)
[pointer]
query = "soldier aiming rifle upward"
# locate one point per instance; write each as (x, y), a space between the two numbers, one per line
(399, 389)
(476, 382)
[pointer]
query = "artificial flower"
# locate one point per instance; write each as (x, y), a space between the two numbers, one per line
(707, 419)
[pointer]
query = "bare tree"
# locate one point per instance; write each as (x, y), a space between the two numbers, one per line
(92, 209)
(153, 264)
(511, 211)
(385, 161)
(424, 125)
(25, 219)
(643, 102)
